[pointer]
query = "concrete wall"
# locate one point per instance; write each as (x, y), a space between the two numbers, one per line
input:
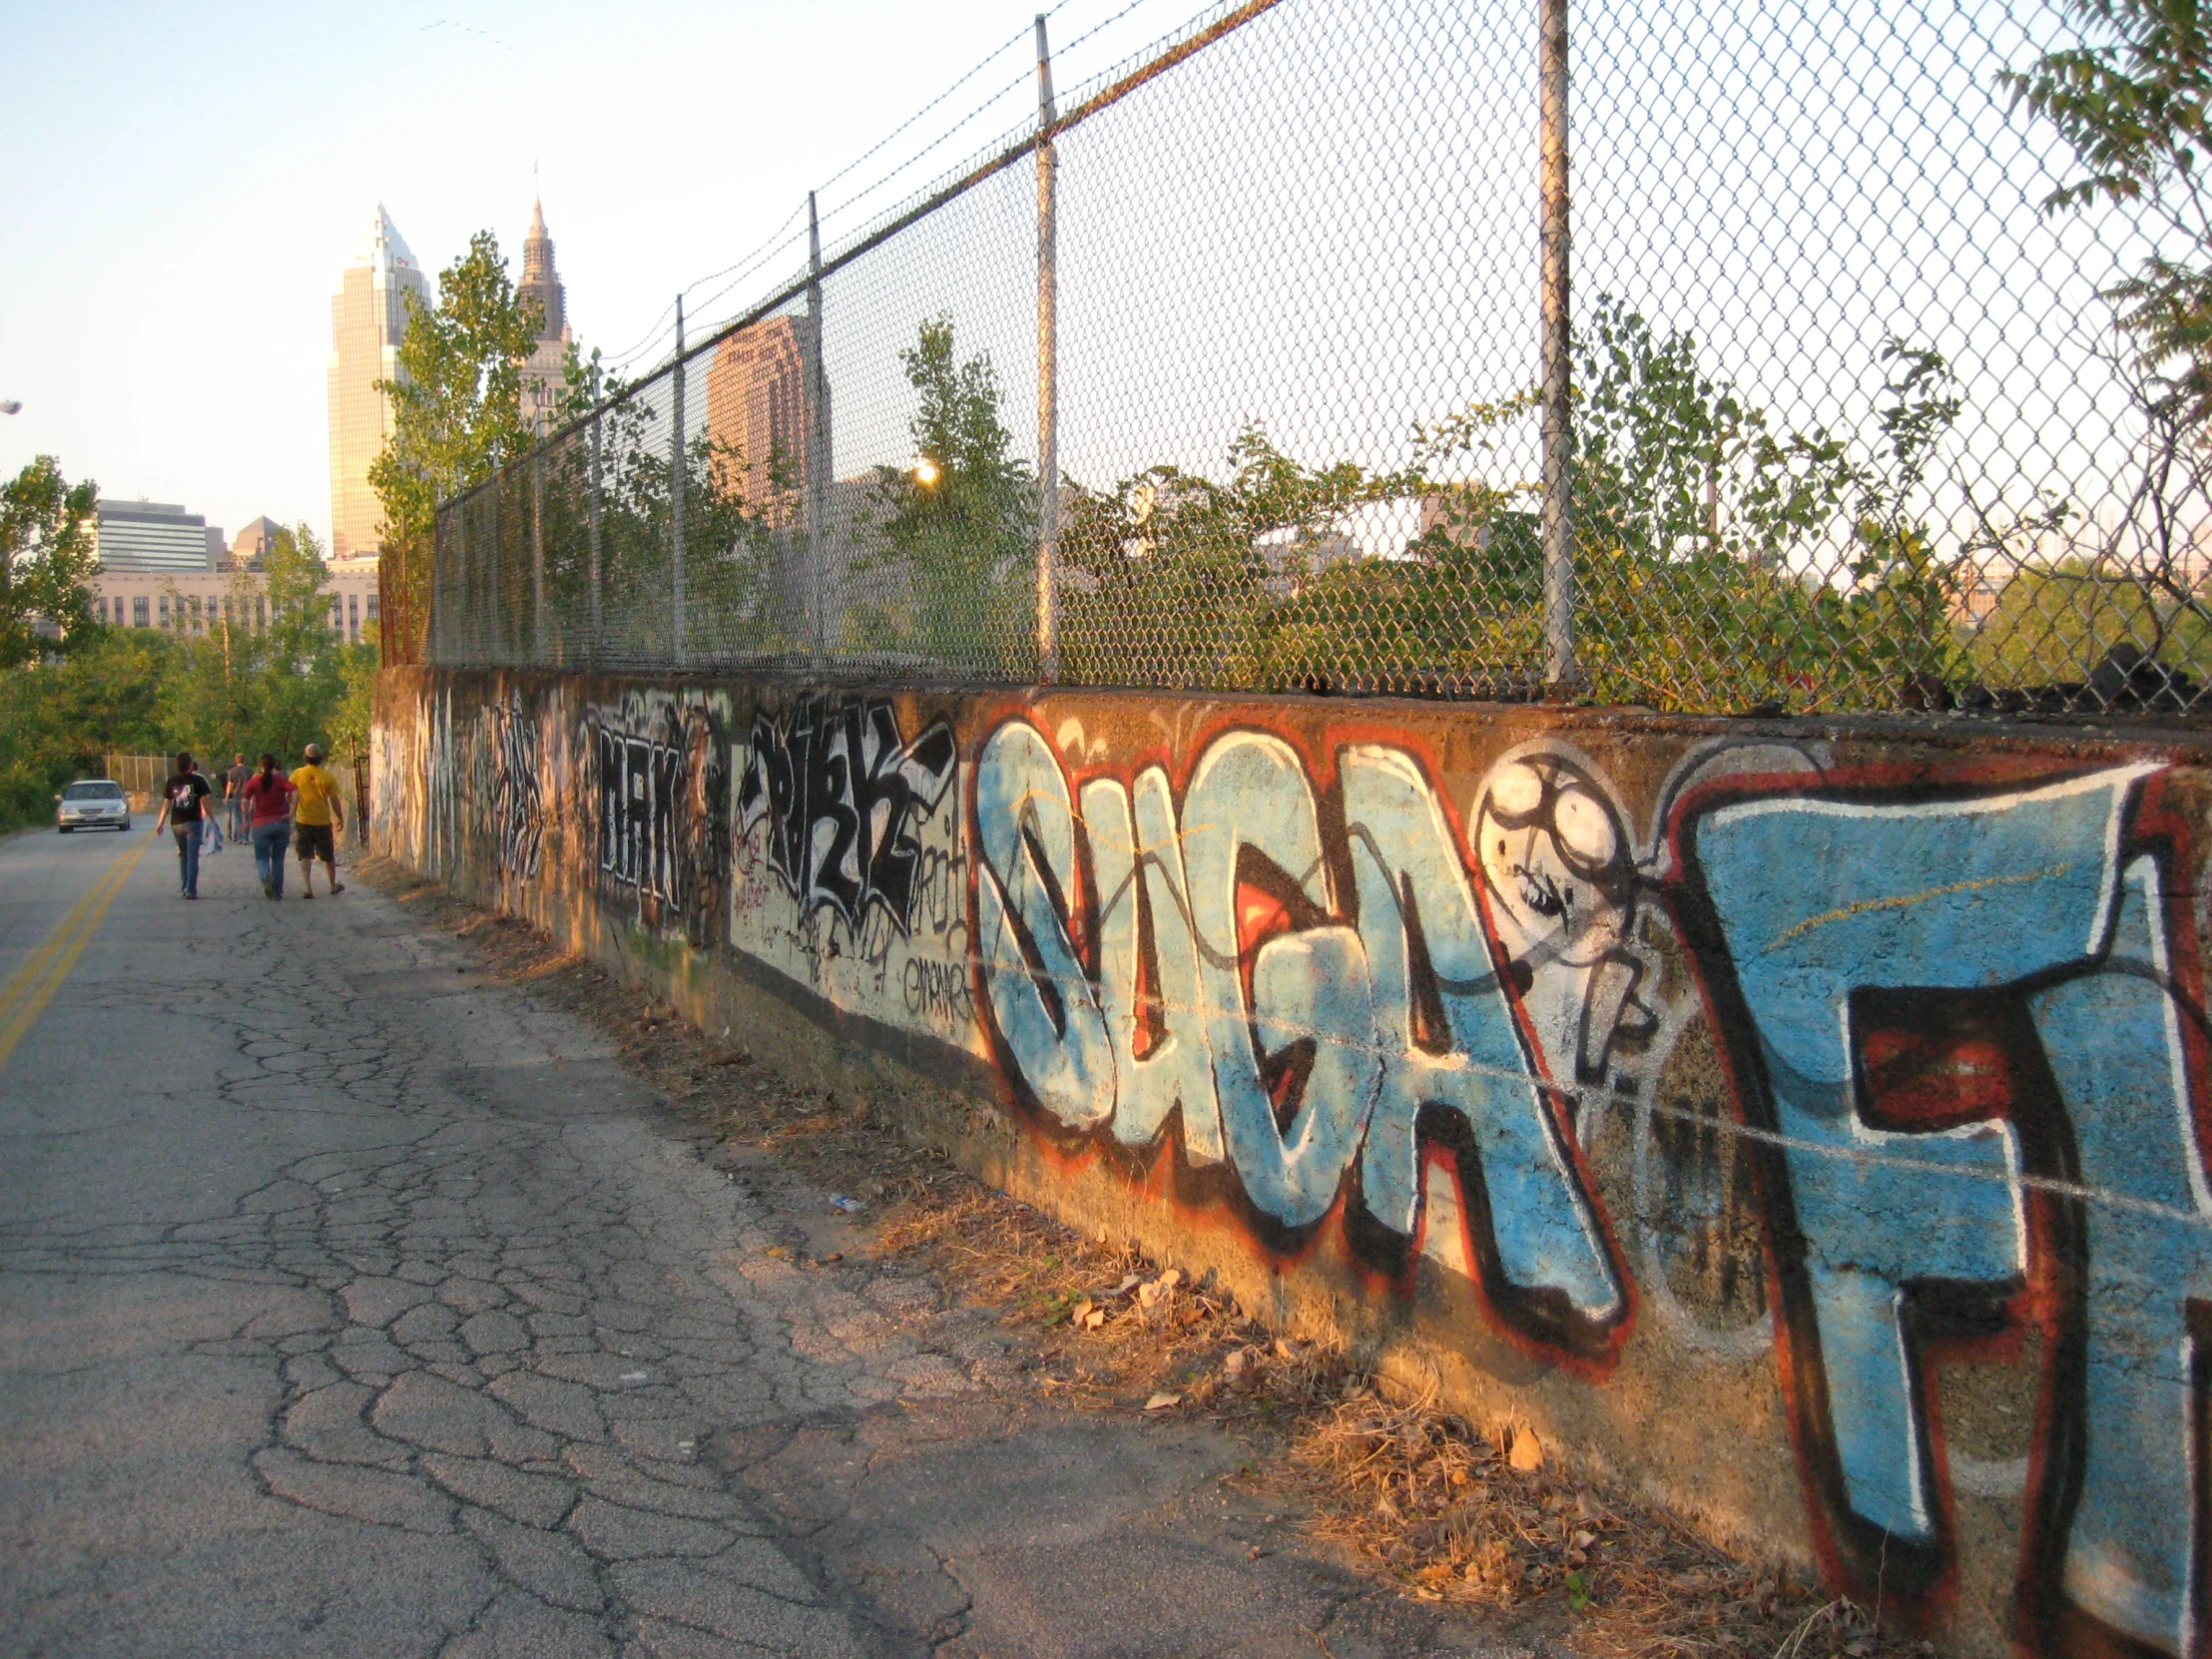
(1805, 1124)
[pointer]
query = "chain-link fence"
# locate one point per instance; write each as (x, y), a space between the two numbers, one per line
(1838, 404)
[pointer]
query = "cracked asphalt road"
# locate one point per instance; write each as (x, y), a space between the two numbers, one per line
(351, 1303)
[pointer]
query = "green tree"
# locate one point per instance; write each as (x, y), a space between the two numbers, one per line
(1690, 507)
(456, 406)
(63, 716)
(278, 686)
(2132, 102)
(1179, 578)
(47, 559)
(957, 533)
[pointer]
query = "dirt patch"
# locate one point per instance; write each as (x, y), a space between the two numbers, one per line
(1398, 1486)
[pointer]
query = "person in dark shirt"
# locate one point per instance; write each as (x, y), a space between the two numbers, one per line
(181, 798)
(234, 792)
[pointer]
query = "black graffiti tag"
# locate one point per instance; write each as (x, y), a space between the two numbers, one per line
(841, 794)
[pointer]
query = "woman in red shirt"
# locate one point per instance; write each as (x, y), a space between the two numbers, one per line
(267, 799)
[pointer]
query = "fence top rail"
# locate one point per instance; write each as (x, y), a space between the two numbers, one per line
(1103, 90)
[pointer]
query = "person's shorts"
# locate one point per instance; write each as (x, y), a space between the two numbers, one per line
(313, 841)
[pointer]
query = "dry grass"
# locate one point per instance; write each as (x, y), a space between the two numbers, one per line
(1435, 1503)
(1409, 1490)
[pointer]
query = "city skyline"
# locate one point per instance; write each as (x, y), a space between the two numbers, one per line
(172, 340)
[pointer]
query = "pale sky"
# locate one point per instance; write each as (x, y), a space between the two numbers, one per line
(185, 183)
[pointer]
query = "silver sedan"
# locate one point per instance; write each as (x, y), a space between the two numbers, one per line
(92, 804)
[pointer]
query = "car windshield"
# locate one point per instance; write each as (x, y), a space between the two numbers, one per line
(94, 791)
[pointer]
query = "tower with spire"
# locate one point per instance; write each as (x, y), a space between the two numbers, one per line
(544, 372)
(369, 314)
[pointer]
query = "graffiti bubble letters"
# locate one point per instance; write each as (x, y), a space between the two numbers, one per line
(841, 794)
(1974, 1028)
(1308, 999)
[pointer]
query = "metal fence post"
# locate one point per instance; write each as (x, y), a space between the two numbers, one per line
(818, 441)
(486, 615)
(537, 559)
(1048, 371)
(596, 620)
(436, 625)
(676, 489)
(1561, 678)
(455, 640)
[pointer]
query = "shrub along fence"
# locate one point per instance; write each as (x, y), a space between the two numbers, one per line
(1259, 362)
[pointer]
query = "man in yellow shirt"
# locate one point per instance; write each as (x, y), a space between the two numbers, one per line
(315, 820)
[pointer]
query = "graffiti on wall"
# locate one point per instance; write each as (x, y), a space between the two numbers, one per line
(1894, 1087)
(1964, 1053)
(1968, 1026)
(1307, 1000)
(840, 796)
(661, 770)
(449, 786)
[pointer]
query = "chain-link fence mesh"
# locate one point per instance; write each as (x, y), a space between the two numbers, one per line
(1847, 415)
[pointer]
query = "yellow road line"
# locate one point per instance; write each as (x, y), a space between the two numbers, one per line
(28, 990)
(34, 964)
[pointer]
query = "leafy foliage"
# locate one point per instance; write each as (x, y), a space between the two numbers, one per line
(956, 538)
(1172, 576)
(456, 404)
(230, 690)
(2133, 103)
(47, 559)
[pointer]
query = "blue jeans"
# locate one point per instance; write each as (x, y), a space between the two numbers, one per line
(270, 841)
(187, 855)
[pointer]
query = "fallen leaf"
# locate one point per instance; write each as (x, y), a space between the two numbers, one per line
(1238, 1358)
(1528, 1451)
(1094, 1319)
(1081, 1310)
(1170, 1279)
(1163, 1401)
(1583, 1540)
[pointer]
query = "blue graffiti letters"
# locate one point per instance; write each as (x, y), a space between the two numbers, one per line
(1308, 995)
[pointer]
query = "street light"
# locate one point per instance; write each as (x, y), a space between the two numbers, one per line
(925, 472)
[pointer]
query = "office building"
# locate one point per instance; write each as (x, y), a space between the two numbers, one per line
(368, 316)
(252, 544)
(545, 370)
(153, 536)
(201, 602)
(756, 414)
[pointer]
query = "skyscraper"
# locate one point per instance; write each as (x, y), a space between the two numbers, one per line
(757, 414)
(153, 536)
(544, 372)
(369, 314)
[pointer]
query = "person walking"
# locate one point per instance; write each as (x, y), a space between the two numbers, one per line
(181, 798)
(268, 797)
(211, 821)
(315, 820)
(233, 791)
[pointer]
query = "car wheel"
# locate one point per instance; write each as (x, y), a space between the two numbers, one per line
(62, 828)
(124, 826)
